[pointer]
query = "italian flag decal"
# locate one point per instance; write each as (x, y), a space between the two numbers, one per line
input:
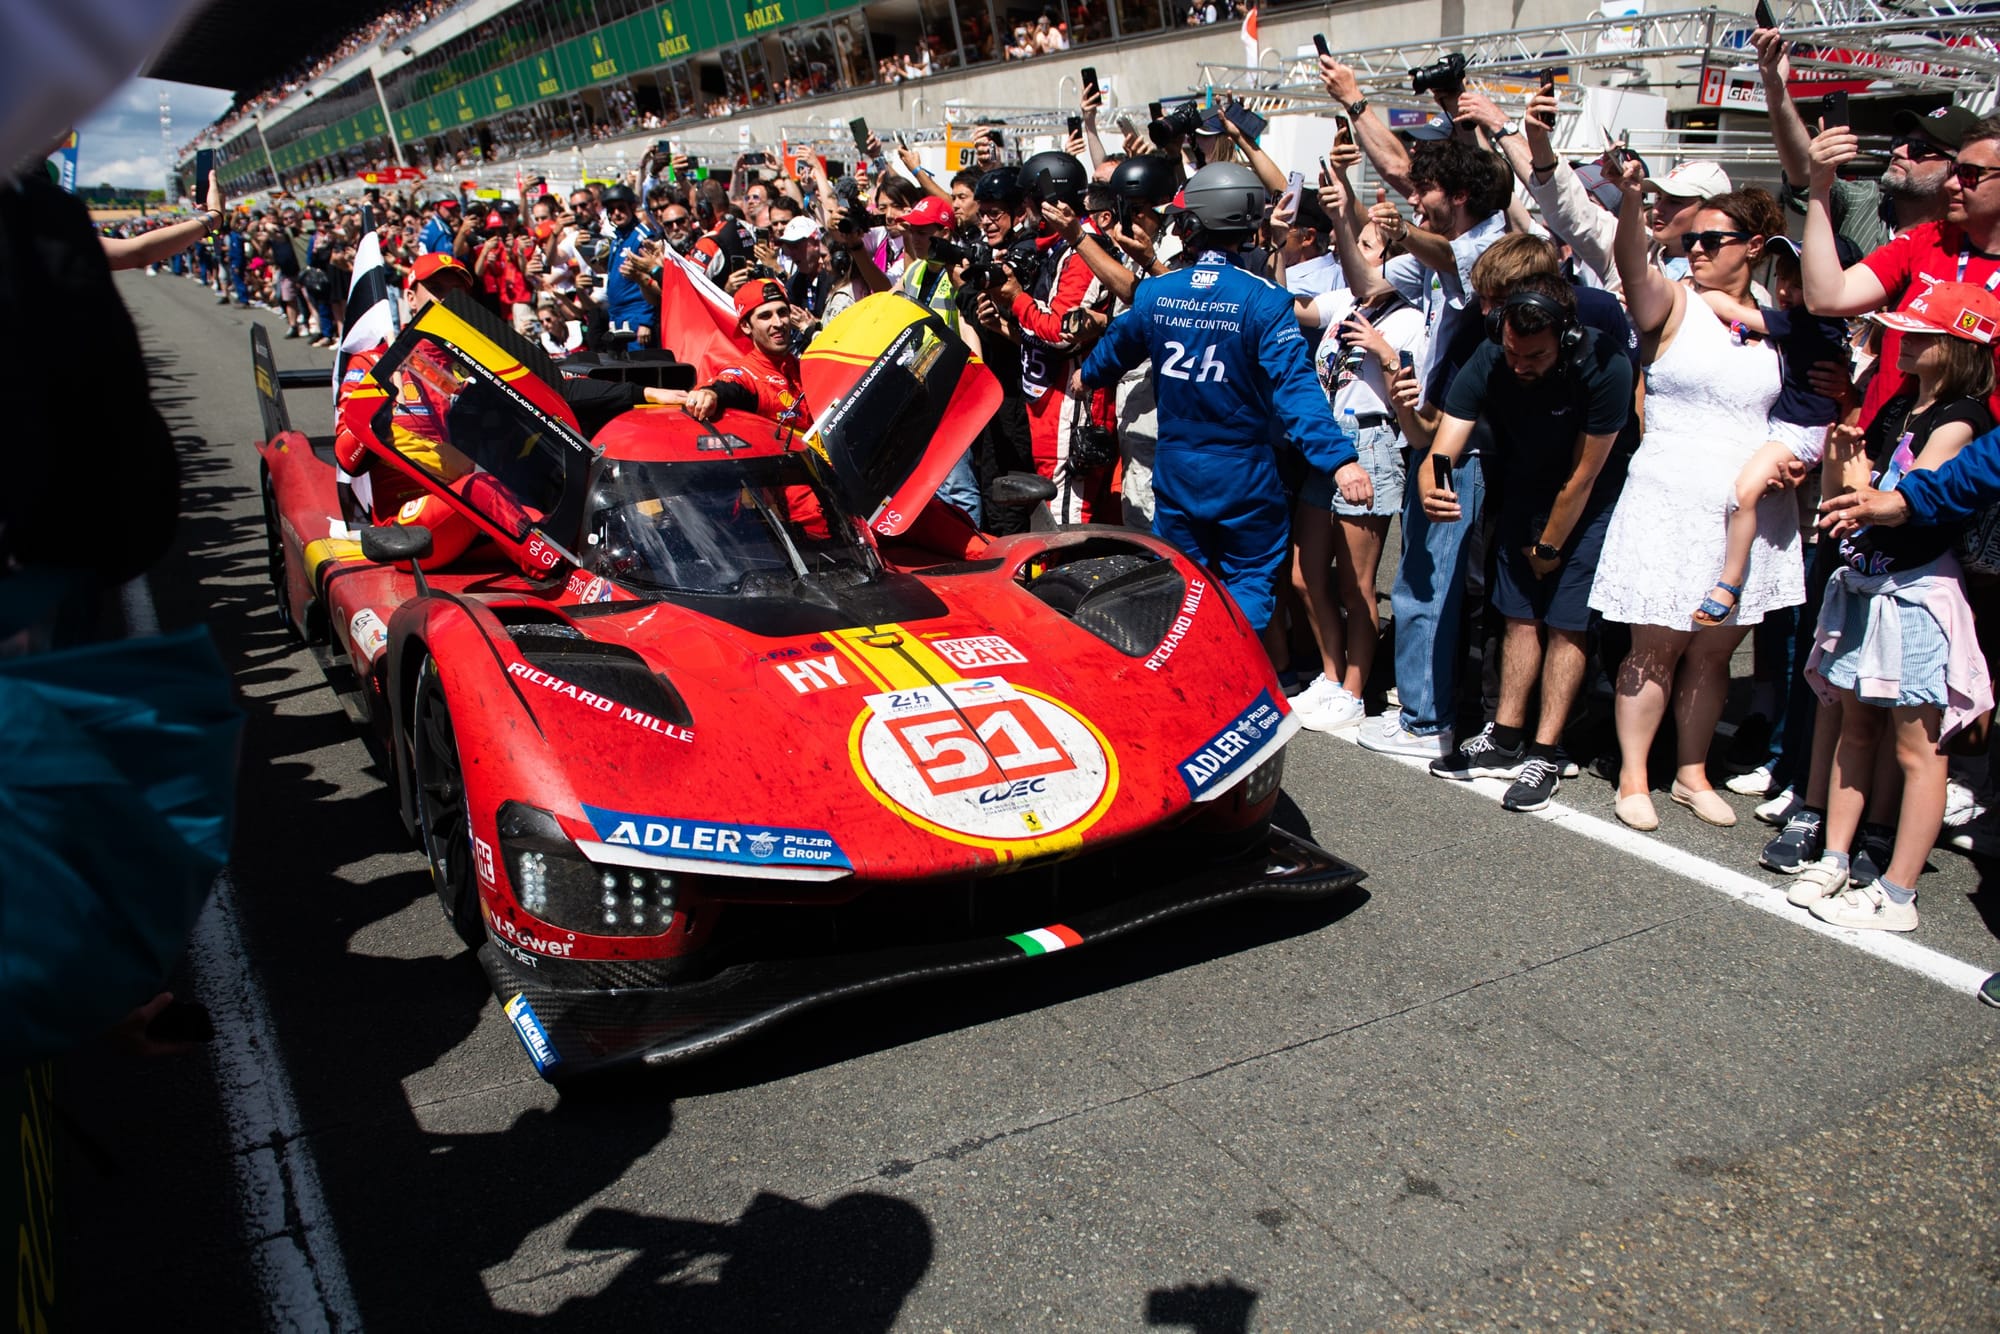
(1046, 940)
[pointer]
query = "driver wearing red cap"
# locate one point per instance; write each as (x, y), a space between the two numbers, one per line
(422, 393)
(766, 382)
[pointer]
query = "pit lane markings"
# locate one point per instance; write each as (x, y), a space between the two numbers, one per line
(294, 1251)
(1952, 973)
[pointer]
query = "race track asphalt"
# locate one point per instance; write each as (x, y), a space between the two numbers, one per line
(1528, 1078)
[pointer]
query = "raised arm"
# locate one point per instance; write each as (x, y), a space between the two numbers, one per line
(1385, 152)
(1788, 128)
(1649, 293)
(1830, 290)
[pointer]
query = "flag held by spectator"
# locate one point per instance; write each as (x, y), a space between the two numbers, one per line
(697, 320)
(372, 320)
(1250, 47)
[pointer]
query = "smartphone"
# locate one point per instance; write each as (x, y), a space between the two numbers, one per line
(858, 127)
(1075, 124)
(1833, 109)
(1295, 187)
(1406, 360)
(1125, 124)
(901, 142)
(1616, 155)
(1319, 44)
(1153, 111)
(1325, 172)
(1548, 83)
(1765, 18)
(662, 149)
(1090, 87)
(1246, 120)
(1441, 472)
(1343, 131)
(998, 140)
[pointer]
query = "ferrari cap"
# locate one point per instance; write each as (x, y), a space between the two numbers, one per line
(1963, 310)
(757, 292)
(428, 267)
(929, 212)
(1691, 180)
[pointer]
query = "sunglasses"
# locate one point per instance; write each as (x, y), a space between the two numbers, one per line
(1712, 241)
(1920, 150)
(1970, 174)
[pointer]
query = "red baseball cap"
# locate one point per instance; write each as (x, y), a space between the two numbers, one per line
(1963, 310)
(757, 292)
(929, 212)
(428, 267)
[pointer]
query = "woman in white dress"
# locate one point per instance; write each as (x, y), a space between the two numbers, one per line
(1708, 390)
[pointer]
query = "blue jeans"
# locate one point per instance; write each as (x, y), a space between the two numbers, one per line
(242, 288)
(960, 490)
(1430, 586)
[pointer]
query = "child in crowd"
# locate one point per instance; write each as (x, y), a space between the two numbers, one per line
(1895, 632)
(1796, 439)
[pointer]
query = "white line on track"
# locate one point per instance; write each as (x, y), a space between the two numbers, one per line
(1889, 947)
(294, 1252)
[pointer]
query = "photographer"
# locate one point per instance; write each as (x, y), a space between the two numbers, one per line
(928, 282)
(1006, 444)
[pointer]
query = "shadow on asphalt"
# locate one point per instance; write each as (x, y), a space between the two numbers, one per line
(425, 1214)
(1222, 1307)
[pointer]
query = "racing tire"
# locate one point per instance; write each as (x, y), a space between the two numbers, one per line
(443, 819)
(274, 556)
(1066, 586)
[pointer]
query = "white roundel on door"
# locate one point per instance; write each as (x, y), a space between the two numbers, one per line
(983, 759)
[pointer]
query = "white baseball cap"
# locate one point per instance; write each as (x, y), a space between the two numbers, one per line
(1692, 180)
(799, 229)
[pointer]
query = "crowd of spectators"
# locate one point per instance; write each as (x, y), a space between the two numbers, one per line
(1594, 403)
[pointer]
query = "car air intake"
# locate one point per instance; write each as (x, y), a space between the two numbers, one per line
(1133, 611)
(609, 670)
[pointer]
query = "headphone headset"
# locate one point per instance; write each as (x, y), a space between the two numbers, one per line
(1569, 334)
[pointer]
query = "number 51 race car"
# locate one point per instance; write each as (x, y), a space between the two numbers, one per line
(709, 728)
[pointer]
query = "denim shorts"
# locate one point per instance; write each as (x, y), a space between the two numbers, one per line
(1381, 450)
(1925, 653)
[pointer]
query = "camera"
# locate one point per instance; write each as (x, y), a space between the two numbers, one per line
(855, 219)
(1179, 123)
(947, 251)
(593, 250)
(1446, 75)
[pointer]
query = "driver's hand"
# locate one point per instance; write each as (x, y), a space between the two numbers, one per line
(702, 405)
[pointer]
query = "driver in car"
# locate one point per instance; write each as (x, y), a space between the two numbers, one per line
(767, 382)
(423, 392)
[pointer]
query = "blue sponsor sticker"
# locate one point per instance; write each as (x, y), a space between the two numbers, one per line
(1229, 751)
(533, 1036)
(706, 840)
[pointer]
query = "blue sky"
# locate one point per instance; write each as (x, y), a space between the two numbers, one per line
(120, 143)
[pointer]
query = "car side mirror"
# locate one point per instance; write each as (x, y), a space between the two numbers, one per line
(1020, 488)
(396, 542)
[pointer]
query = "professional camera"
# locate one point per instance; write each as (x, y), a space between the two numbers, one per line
(593, 249)
(1179, 123)
(1440, 76)
(981, 273)
(855, 219)
(1024, 261)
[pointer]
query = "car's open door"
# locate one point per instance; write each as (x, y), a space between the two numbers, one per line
(458, 404)
(900, 399)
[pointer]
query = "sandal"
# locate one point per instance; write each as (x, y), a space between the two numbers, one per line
(1636, 811)
(1706, 803)
(1711, 611)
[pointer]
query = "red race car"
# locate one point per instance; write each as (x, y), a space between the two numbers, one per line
(719, 722)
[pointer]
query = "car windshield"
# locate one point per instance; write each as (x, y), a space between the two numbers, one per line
(721, 526)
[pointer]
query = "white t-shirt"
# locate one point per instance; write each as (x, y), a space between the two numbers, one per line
(1367, 392)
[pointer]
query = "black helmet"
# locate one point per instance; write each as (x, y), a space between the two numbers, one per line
(1226, 197)
(1000, 186)
(1055, 176)
(620, 194)
(1145, 179)
(509, 209)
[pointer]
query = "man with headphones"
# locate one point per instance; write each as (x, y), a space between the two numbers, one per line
(1557, 395)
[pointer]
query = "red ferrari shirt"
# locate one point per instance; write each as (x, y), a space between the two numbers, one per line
(1936, 252)
(780, 395)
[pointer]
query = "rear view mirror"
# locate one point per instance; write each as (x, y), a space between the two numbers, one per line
(395, 542)
(1020, 488)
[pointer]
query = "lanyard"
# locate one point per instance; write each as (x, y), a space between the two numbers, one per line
(1965, 257)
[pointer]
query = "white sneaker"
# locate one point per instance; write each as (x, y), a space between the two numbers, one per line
(1867, 908)
(1385, 733)
(1976, 838)
(1961, 805)
(1778, 809)
(1321, 688)
(1756, 783)
(1333, 712)
(1817, 883)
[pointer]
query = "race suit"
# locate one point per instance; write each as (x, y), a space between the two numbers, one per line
(766, 387)
(624, 300)
(1229, 364)
(1064, 283)
(437, 237)
(417, 431)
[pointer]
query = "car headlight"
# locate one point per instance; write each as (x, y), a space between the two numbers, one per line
(1264, 779)
(557, 884)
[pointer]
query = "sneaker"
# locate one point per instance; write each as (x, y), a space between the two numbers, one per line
(1536, 786)
(1798, 845)
(1333, 711)
(1481, 757)
(1867, 908)
(1756, 783)
(1386, 734)
(1980, 838)
(1817, 880)
(1319, 688)
(1873, 846)
(1779, 808)
(222, 301)
(1961, 805)
(1566, 766)
(292, 332)
(1989, 990)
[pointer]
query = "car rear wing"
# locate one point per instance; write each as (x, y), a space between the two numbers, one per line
(272, 383)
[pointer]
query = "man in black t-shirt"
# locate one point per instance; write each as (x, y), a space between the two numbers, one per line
(1557, 397)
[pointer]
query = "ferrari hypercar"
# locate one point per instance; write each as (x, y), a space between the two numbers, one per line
(714, 725)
